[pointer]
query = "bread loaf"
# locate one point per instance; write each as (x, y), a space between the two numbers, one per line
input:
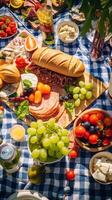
(9, 73)
(58, 61)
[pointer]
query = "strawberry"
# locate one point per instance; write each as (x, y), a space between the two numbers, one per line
(3, 27)
(12, 24)
(1, 23)
(14, 30)
(8, 21)
(8, 31)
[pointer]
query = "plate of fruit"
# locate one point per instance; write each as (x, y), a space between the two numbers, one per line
(8, 27)
(93, 130)
(48, 142)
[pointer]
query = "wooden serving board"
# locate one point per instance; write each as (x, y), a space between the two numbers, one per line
(66, 119)
(98, 89)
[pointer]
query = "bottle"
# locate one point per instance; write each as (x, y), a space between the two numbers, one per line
(9, 157)
(110, 89)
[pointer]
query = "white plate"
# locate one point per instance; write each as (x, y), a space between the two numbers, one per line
(27, 195)
(99, 155)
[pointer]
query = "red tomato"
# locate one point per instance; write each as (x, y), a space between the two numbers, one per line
(93, 119)
(93, 139)
(79, 131)
(105, 142)
(86, 135)
(73, 154)
(100, 115)
(20, 62)
(108, 132)
(107, 121)
(85, 117)
(70, 175)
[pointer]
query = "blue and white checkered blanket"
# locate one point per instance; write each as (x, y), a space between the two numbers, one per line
(83, 187)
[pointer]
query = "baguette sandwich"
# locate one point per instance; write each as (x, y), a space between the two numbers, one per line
(58, 61)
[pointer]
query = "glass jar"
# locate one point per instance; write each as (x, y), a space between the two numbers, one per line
(45, 18)
(57, 4)
(9, 157)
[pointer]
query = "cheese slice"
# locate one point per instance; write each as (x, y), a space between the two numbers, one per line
(98, 175)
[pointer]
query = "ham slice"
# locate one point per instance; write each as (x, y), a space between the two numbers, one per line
(48, 106)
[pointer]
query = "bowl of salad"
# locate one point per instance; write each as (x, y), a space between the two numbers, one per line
(8, 27)
(47, 141)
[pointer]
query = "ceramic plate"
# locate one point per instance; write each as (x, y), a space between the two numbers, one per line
(27, 195)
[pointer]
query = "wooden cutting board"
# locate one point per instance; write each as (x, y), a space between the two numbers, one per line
(98, 89)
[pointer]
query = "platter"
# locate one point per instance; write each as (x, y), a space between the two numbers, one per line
(56, 83)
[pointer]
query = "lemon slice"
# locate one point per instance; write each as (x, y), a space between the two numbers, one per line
(16, 3)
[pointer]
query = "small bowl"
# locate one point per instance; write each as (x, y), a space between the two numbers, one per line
(82, 144)
(69, 23)
(99, 155)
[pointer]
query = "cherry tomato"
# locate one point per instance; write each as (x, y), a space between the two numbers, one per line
(100, 115)
(31, 98)
(73, 154)
(105, 142)
(38, 97)
(93, 139)
(86, 135)
(85, 117)
(79, 131)
(70, 175)
(107, 121)
(108, 132)
(93, 119)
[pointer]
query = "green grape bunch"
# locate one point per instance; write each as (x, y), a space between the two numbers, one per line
(47, 141)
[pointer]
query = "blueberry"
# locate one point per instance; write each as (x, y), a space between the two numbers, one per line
(92, 129)
(87, 125)
(70, 96)
(96, 128)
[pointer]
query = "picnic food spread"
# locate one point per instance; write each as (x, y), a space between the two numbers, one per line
(48, 90)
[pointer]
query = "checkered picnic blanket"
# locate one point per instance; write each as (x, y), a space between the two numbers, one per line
(83, 187)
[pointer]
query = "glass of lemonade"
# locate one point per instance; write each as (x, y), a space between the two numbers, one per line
(17, 132)
(45, 18)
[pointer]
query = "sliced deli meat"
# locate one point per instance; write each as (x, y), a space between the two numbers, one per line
(48, 106)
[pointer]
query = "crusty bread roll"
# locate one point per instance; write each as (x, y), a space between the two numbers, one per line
(58, 61)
